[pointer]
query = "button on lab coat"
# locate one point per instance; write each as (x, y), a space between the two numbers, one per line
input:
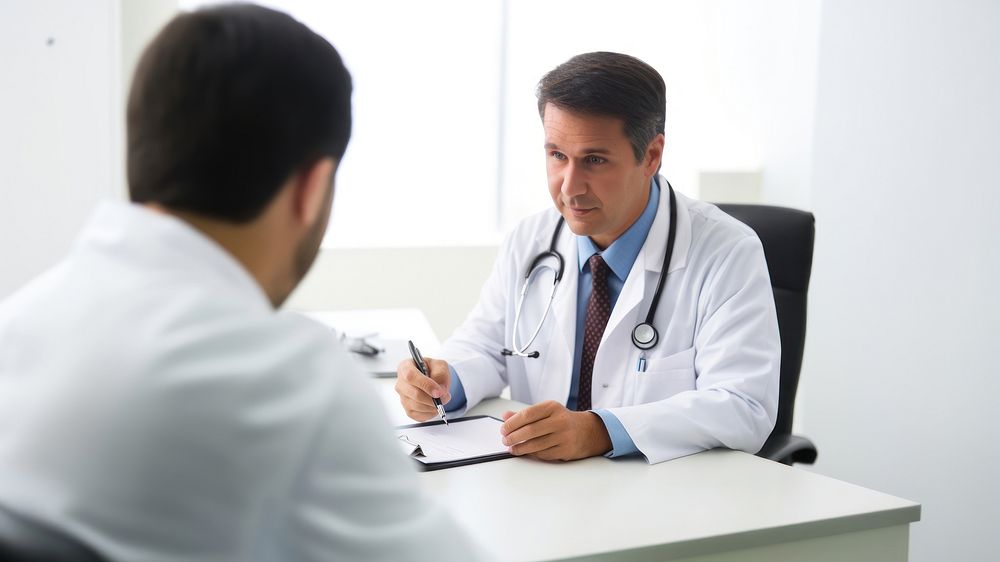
(712, 380)
(153, 404)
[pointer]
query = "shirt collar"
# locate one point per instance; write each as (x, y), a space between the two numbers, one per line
(159, 240)
(621, 254)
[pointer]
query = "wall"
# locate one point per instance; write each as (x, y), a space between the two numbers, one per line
(59, 106)
(66, 67)
(901, 384)
(767, 74)
(443, 282)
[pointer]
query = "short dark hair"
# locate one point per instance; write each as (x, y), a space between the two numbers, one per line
(610, 84)
(226, 104)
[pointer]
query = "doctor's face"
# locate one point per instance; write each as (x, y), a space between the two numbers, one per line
(594, 179)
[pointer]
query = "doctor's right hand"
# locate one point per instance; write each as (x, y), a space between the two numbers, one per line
(417, 392)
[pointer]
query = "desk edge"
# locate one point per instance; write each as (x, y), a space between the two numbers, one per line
(765, 537)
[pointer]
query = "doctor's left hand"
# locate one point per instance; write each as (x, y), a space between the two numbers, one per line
(550, 431)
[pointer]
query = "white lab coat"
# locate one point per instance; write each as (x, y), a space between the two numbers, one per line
(153, 404)
(712, 381)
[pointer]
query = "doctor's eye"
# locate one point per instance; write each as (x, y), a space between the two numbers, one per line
(557, 155)
(594, 159)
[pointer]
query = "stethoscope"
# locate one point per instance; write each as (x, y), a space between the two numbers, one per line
(644, 335)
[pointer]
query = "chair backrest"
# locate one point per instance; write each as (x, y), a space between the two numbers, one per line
(787, 236)
(23, 539)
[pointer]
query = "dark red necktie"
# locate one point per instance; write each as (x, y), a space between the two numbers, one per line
(598, 312)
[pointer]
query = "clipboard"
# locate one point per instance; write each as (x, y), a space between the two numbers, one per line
(410, 441)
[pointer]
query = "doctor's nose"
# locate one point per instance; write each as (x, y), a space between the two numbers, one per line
(573, 182)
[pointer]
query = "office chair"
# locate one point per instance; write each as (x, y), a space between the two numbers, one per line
(787, 236)
(23, 539)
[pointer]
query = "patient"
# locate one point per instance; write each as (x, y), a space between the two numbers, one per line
(154, 403)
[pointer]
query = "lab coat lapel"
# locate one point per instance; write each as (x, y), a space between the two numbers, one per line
(682, 244)
(631, 296)
(556, 375)
(647, 264)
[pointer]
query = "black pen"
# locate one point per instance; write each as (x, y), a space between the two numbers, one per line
(419, 361)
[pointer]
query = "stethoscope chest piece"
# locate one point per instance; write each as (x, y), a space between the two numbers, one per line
(644, 336)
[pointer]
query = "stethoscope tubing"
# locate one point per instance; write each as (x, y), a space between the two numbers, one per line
(644, 335)
(522, 351)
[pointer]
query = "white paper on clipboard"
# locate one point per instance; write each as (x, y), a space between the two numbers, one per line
(459, 440)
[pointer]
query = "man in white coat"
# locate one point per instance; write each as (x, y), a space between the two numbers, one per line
(598, 381)
(154, 404)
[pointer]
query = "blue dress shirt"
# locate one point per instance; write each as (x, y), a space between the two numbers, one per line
(619, 256)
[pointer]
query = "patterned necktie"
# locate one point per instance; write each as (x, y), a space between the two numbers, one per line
(598, 312)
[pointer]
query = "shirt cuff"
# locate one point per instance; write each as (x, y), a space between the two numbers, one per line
(458, 399)
(621, 443)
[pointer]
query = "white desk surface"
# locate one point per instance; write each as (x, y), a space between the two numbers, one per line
(389, 323)
(716, 501)
(712, 502)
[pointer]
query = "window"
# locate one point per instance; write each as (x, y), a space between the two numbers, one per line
(447, 143)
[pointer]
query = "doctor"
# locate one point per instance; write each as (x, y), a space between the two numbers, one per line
(633, 319)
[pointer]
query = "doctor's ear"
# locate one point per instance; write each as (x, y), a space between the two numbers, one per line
(311, 186)
(654, 155)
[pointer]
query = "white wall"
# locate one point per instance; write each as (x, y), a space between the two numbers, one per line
(900, 382)
(66, 67)
(59, 110)
(767, 73)
(443, 282)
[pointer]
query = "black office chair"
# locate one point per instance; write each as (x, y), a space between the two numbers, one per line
(787, 236)
(23, 539)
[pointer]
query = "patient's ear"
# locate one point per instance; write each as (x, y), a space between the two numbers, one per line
(310, 189)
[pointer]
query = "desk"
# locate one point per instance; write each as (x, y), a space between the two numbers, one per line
(716, 506)
(391, 323)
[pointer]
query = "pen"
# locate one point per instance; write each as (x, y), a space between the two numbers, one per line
(419, 361)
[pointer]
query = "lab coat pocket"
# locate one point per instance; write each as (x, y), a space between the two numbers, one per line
(665, 376)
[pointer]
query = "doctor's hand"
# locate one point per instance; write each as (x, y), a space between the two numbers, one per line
(417, 392)
(550, 431)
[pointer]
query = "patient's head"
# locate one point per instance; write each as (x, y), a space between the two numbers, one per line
(238, 117)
